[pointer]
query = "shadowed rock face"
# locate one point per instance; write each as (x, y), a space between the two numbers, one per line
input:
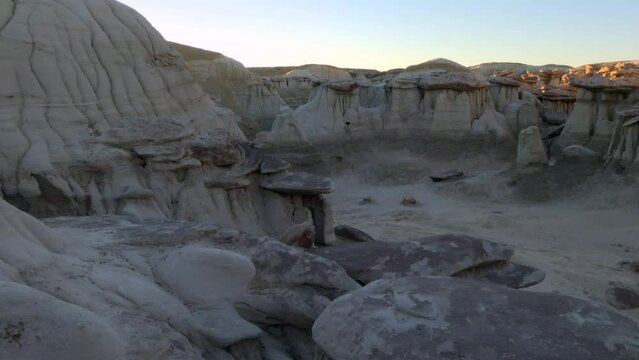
(446, 318)
(443, 255)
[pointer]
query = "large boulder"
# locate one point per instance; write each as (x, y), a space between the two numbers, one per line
(443, 255)
(447, 318)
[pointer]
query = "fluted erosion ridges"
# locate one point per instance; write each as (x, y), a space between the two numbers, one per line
(99, 115)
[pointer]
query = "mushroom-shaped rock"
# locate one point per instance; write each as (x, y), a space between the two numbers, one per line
(298, 306)
(431, 318)
(531, 152)
(504, 81)
(300, 183)
(342, 85)
(436, 255)
(443, 74)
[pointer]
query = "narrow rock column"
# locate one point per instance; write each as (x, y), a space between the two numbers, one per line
(531, 153)
(322, 213)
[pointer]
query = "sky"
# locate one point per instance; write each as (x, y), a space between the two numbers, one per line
(386, 34)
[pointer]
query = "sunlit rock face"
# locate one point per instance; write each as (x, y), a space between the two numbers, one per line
(444, 318)
(231, 85)
(99, 115)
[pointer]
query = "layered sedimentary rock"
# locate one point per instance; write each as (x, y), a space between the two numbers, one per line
(114, 287)
(515, 70)
(531, 152)
(599, 99)
(296, 85)
(624, 142)
(231, 85)
(99, 115)
(440, 98)
(520, 107)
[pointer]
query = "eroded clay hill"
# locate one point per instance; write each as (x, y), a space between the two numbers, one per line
(100, 115)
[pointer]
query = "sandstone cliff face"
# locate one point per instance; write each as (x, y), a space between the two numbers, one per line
(99, 115)
(231, 85)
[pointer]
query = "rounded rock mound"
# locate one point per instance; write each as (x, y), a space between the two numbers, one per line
(444, 318)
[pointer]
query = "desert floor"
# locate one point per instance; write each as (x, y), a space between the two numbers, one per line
(579, 236)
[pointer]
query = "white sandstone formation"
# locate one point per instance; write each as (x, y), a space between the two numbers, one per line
(231, 85)
(296, 85)
(531, 152)
(520, 107)
(440, 98)
(113, 287)
(599, 98)
(100, 116)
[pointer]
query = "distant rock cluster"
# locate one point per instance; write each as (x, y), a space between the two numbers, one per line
(167, 231)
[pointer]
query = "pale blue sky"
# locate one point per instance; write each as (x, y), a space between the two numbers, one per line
(388, 34)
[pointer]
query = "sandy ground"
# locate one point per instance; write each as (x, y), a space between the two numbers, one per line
(578, 240)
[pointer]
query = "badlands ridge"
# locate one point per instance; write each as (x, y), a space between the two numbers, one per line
(159, 201)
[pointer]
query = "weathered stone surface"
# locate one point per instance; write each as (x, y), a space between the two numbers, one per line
(508, 274)
(297, 306)
(622, 298)
(299, 184)
(80, 293)
(100, 116)
(322, 213)
(352, 234)
(531, 152)
(448, 318)
(231, 85)
(437, 255)
(439, 97)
